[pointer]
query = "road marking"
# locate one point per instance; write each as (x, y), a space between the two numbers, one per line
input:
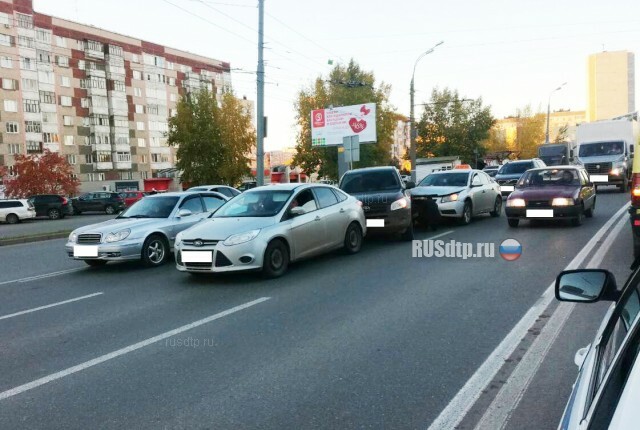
(462, 402)
(43, 276)
(110, 356)
(39, 308)
(440, 235)
(499, 412)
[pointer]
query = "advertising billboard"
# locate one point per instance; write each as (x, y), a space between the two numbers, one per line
(330, 126)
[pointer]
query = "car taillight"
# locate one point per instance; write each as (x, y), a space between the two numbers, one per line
(65, 200)
(635, 190)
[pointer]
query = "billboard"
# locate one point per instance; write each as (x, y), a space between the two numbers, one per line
(329, 126)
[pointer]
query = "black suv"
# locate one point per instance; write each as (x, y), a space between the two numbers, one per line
(101, 201)
(51, 205)
(382, 192)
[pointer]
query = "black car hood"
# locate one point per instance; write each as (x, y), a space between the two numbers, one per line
(379, 197)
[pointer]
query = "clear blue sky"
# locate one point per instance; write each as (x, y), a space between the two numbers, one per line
(510, 53)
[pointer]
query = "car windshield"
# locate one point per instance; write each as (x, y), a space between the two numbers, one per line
(600, 148)
(514, 168)
(263, 203)
(552, 150)
(362, 182)
(156, 207)
(550, 178)
(446, 180)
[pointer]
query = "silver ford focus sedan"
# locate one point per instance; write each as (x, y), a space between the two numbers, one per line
(266, 228)
(145, 231)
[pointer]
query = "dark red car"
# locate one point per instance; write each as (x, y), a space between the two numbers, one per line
(562, 192)
(130, 197)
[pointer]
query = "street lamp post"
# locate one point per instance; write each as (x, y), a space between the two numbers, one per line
(546, 140)
(411, 115)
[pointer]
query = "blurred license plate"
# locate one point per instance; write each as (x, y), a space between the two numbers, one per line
(506, 188)
(539, 213)
(599, 178)
(85, 251)
(375, 223)
(197, 256)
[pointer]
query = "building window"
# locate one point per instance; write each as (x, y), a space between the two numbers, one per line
(47, 97)
(123, 156)
(121, 122)
(152, 109)
(173, 97)
(33, 126)
(63, 61)
(43, 35)
(46, 77)
(6, 40)
(140, 125)
(135, 58)
(29, 84)
(14, 148)
(61, 42)
(49, 118)
(144, 175)
(99, 120)
(10, 106)
(84, 102)
(119, 86)
(71, 158)
(24, 21)
(27, 63)
(65, 81)
(67, 120)
(137, 92)
(68, 140)
(137, 75)
(172, 82)
(140, 109)
(141, 142)
(65, 101)
(26, 42)
(92, 45)
(50, 137)
(9, 84)
(122, 139)
(32, 106)
(126, 175)
(6, 62)
(103, 157)
(43, 57)
(142, 159)
(12, 127)
(81, 64)
(115, 50)
(34, 147)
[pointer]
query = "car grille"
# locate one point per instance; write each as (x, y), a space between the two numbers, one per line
(538, 204)
(598, 167)
(198, 265)
(191, 242)
(507, 181)
(371, 209)
(222, 260)
(89, 238)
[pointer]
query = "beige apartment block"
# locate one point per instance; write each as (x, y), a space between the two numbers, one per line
(611, 85)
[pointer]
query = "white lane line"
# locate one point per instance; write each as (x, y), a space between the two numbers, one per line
(39, 308)
(43, 276)
(439, 235)
(499, 412)
(458, 407)
(110, 356)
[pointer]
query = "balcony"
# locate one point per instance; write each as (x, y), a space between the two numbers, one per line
(103, 165)
(122, 147)
(161, 165)
(123, 165)
(101, 147)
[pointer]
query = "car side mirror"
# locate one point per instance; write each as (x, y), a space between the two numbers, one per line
(475, 185)
(298, 210)
(184, 213)
(586, 286)
(409, 184)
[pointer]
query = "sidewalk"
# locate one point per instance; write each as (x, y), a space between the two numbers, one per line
(44, 228)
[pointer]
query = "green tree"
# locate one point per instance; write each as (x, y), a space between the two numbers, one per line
(530, 132)
(563, 134)
(213, 141)
(451, 125)
(347, 85)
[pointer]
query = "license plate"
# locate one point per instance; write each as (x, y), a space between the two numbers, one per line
(197, 256)
(375, 223)
(507, 188)
(85, 251)
(539, 213)
(599, 178)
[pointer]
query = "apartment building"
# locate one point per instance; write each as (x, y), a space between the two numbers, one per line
(611, 85)
(100, 99)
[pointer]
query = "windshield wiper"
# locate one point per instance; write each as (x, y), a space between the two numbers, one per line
(137, 216)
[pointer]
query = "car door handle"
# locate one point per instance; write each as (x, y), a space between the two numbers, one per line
(342, 210)
(317, 218)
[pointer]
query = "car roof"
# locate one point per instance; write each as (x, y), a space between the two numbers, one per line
(565, 167)
(371, 169)
(454, 171)
(278, 186)
(175, 194)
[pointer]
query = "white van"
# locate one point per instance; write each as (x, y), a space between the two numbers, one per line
(13, 211)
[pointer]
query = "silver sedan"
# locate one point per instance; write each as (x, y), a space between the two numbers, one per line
(266, 228)
(145, 231)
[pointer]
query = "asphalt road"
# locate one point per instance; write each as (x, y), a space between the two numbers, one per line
(43, 225)
(374, 340)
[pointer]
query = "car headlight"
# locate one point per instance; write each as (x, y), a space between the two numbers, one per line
(400, 204)
(73, 237)
(516, 203)
(117, 236)
(450, 198)
(237, 239)
(562, 201)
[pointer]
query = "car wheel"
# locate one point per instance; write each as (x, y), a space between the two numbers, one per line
(53, 214)
(466, 213)
(589, 213)
(577, 221)
(95, 263)
(276, 259)
(497, 208)
(12, 218)
(407, 235)
(110, 210)
(513, 222)
(353, 238)
(155, 251)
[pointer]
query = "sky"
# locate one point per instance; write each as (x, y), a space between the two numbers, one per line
(512, 53)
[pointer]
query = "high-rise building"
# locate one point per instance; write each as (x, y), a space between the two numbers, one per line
(100, 99)
(611, 85)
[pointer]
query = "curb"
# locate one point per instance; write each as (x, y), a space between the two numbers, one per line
(34, 238)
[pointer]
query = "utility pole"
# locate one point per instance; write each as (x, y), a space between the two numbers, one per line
(260, 101)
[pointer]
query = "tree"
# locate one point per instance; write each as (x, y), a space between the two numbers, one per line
(347, 85)
(47, 173)
(529, 132)
(563, 134)
(213, 141)
(450, 125)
